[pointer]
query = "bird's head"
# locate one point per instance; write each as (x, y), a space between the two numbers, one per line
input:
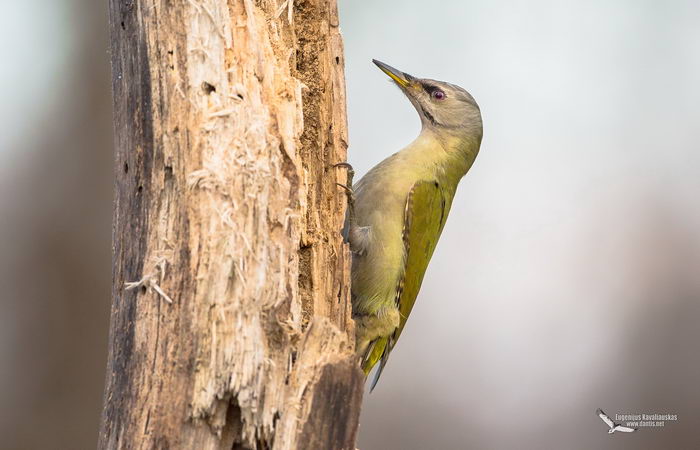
(443, 107)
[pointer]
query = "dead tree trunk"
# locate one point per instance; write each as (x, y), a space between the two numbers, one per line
(230, 323)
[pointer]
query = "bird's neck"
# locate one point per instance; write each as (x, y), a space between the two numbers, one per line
(459, 150)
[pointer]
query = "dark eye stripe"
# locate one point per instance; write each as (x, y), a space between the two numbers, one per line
(429, 88)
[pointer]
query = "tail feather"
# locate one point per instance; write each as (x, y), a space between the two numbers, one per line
(377, 352)
(374, 353)
(377, 374)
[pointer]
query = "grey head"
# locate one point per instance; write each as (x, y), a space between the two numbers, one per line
(442, 106)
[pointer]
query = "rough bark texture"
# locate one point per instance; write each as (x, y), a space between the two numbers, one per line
(231, 323)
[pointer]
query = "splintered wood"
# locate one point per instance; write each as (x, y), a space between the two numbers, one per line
(231, 323)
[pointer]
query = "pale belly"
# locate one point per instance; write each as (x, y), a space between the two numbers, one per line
(376, 273)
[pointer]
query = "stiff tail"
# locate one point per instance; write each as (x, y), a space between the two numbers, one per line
(377, 352)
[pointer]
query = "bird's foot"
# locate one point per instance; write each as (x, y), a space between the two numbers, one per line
(349, 192)
(357, 236)
(351, 171)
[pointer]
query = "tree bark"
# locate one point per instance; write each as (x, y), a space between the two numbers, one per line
(231, 323)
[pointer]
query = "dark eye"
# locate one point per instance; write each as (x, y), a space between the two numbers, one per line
(438, 94)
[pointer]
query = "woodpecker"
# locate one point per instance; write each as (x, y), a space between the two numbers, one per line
(397, 211)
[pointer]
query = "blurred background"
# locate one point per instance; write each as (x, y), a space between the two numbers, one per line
(55, 222)
(568, 275)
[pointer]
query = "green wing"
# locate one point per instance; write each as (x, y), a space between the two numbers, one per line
(424, 218)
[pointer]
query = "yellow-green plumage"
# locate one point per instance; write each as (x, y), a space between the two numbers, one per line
(425, 214)
(400, 209)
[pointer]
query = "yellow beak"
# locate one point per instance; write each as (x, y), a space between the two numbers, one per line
(400, 78)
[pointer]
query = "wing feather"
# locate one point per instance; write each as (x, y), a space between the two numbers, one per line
(604, 417)
(424, 218)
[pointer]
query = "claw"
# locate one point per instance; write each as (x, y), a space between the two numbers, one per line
(351, 227)
(350, 194)
(351, 173)
(347, 189)
(347, 165)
